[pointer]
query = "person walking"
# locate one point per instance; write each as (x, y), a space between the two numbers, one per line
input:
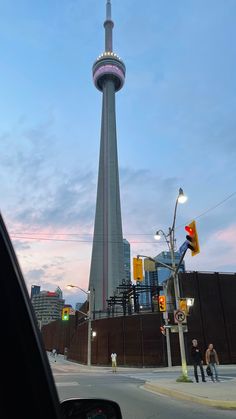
(197, 359)
(114, 361)
(212, 360)
(54, 354)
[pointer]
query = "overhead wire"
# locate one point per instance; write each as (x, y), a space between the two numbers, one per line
(30, 236)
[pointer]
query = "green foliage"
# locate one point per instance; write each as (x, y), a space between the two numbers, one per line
(184, 379)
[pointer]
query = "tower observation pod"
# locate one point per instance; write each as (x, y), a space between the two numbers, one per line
(108, 65)
(107, 262)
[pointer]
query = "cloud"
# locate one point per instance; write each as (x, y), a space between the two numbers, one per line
(217, 252)
(21, 245)
(48, 275)
(67, 203)
(44, 192)
(227, 235)
(146, 196)
(35, 274)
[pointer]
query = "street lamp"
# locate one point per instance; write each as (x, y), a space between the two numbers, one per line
(88, 293)
(181, 197)
(190, 302)
(170, 240)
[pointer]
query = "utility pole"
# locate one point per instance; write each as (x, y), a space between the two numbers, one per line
(170, 240)
(177, 304)
(167, 330)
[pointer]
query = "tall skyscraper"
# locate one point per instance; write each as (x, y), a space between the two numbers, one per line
(150, 280)
(161, 274)
(165, 257)
(127, 266)
(107, 264)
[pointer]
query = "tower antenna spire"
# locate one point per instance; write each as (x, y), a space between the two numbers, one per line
(108, 16)
(108, 25)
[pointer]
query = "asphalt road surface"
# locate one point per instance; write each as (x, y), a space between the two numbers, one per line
(126, 389)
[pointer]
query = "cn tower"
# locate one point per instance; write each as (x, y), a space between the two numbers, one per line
(107, 264)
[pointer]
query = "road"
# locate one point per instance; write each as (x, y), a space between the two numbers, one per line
(125, 387)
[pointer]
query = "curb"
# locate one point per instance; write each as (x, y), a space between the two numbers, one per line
(224, 404)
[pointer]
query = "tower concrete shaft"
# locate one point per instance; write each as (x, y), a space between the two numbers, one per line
(107, 264)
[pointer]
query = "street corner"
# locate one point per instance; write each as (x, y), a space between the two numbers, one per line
(180, 394)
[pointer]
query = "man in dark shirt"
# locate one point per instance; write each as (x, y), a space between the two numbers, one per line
(197, 358)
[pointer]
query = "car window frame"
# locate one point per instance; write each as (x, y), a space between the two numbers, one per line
(28, 379)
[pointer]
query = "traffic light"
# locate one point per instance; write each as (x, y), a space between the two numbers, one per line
(163, 330)
(65, 313)
(192, 237)
(183, 305)
(138, 269)
(162, 302)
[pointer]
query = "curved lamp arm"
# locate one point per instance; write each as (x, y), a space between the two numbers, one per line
(165, 237)
(81, 289)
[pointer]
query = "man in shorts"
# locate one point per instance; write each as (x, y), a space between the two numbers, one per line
(113, 361)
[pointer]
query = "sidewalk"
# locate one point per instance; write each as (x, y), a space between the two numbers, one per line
(221, 395)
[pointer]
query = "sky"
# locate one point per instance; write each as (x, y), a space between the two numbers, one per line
(176, 127)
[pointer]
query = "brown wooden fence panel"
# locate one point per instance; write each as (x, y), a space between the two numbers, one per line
(137, 339)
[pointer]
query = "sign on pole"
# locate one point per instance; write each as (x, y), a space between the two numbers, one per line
(149, 265)
(179, 316)
(175, 328)
(183, 247)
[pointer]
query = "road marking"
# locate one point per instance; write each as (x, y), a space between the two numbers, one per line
(152, 391)
(63, 374)
(68, 384)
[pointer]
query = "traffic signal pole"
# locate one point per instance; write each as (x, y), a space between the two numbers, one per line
(167, 330)
(165, 314)
(175, 276)
(170, 240)
(177, 303)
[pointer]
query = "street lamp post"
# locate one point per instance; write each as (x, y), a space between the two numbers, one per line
(170, 240)
(165, 315)
(88, 293)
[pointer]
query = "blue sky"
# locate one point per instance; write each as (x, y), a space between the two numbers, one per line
(175, 126)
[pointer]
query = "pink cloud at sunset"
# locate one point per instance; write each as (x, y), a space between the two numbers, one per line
(227, 235)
